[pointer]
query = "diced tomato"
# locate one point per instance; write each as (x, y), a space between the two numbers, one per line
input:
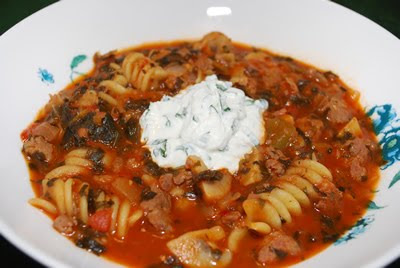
(101, 220)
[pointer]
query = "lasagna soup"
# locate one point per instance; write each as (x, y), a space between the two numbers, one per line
(200, 154)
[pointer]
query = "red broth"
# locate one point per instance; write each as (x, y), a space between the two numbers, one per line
(307, 119)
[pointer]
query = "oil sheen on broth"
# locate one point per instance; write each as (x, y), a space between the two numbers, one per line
(202, 154)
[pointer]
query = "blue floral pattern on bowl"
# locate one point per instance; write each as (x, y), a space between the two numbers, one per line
(45, 76)
(387, 128)
(74, 64)
(360, 227)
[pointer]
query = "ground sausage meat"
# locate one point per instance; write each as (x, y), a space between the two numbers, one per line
(47, 131)
(64, 224)
(360, 155)
(158, 210)
(274, 167)
(166, 182)
(357, 147)
(336, 110)
(275, 160)
(38, 148)
(357, 169)
(277, 246)
(182, 176)
(331, 202)
(231, 218)
(312, 128)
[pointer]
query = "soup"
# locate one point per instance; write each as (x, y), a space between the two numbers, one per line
(137, 162)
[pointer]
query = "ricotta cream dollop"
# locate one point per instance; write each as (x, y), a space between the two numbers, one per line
(211, 120)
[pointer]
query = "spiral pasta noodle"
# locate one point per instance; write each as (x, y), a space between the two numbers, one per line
(64, 194)
(76, 164)
(142, 72)
(288, 194)
(117, 85)
(113, 86)
(250, 163)
(70, 197)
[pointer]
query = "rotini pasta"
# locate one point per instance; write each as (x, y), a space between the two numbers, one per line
(288, 194)
(235, 237)
(76, 163)
(43, 204)
(141, 72)
(251, 165)
(108, 98)
(71, 197)
(114, 87)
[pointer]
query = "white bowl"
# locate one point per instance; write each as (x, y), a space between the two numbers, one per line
(35, 60)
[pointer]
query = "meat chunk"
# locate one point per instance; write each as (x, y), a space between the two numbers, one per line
(160, 220)
(39, 149)
(47, 131)
(358, 147)
(331, 203)
(357, 169)
(312, 128)
(165, 182)
(276, 162)
(274, 167)
(335, 109)
(277, 246)
(273, 153)
(64, 225)
(231, 218)
(158, 209)
(214, 43)
(360, 154)
(182, 176)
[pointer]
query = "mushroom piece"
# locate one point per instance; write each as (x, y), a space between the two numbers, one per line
(198, 248)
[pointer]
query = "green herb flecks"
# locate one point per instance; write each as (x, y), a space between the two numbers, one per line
(226, 148)
(222, 104)
(205, 137)
(249, 101)
(161, 148)
(213, 108)
(183, 148)
(235, 126)
(182, 114)
(168, 122)
(221, 87)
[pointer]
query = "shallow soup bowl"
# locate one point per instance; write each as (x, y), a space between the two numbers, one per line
(45, 52)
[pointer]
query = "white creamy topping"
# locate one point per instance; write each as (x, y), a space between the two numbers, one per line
(211, 120)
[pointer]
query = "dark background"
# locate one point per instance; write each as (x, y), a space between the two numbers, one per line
(384, 12)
